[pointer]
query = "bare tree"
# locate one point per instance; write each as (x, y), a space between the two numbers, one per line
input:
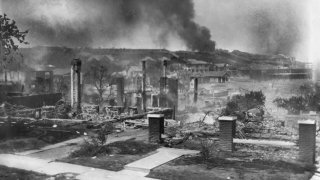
(100, 77)
(10, 35)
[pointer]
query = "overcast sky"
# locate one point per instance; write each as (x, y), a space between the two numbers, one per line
(257, 26)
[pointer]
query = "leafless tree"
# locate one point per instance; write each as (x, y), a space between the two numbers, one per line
(10, 36)
(101, 78)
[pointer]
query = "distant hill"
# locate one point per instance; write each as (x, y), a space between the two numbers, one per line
(60, 57)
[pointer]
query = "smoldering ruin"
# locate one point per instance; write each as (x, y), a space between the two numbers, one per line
(154, 89)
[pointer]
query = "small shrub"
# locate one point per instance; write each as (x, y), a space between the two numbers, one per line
(94, 144)
(208, 149)
(132, 147)
(87, 149)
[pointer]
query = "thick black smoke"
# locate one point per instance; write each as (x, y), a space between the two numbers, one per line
(101, 22)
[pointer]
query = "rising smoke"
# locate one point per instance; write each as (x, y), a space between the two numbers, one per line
(264, 26)
(111, 23)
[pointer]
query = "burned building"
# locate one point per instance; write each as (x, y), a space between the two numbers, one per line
(39, 82)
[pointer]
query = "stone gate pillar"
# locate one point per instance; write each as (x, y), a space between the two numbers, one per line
(156, 127)
(307, 141)
(227, 132)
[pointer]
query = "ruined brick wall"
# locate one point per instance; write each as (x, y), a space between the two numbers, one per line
(36, 101)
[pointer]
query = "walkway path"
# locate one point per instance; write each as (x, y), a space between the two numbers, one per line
(42, 160)
(53, 168)
(162, 156)
(132, 171)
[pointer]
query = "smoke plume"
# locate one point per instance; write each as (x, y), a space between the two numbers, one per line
(111, 23)
(264, 26)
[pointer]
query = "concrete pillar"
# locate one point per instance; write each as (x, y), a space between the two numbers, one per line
(143, 94)
(195, 90)
(156, 127)
(307, 141)
(227, 132)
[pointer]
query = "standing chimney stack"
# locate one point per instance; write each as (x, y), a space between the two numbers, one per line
(144, 98)
(76, 84)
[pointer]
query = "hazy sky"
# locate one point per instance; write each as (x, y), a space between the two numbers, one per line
(257, 26)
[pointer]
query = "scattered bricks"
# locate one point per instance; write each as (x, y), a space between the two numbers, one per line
(307, 141)
(227, 132)
(156, 127)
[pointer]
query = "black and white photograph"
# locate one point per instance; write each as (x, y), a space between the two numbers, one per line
(159, 90)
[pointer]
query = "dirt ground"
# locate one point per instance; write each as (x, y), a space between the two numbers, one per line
(194, 167)
(246, 162)
(116, 155)
(113, 156)
(21, 144)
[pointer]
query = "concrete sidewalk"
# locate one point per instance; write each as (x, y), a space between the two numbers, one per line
(133, 171)
(162, 156)
(53, 168)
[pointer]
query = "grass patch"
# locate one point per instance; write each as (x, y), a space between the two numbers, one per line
(258, 164)
(193, 167)
(113, 156)
(19, 145)
(14, 174)
(8, 173)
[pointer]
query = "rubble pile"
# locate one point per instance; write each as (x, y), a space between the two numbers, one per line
(90, 112)
(48, 112)
(200, 129)
(62, 110)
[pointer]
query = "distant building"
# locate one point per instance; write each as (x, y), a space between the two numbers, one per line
(194, 65)
(212, 76)
(221, 67)
(40, 82)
